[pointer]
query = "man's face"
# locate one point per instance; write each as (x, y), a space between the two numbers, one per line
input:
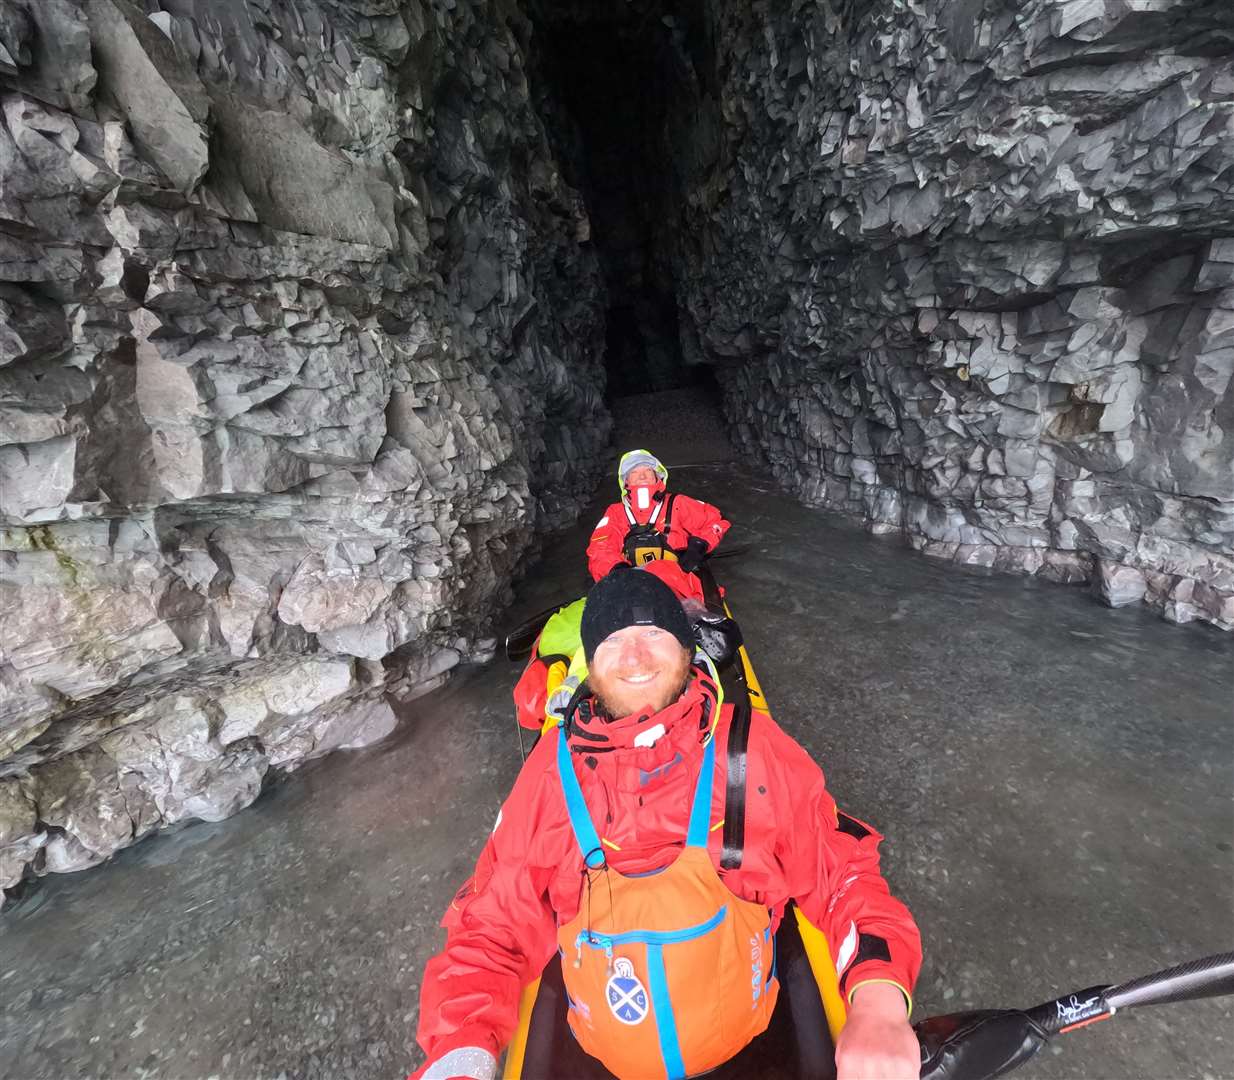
(637, 669)
(641, 475)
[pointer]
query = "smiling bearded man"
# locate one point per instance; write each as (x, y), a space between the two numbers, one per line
(605, 862)
(638, 642)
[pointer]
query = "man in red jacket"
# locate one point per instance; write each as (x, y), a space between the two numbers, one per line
(651, 523)
(608, 852)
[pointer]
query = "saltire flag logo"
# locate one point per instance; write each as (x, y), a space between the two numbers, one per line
(627, 997)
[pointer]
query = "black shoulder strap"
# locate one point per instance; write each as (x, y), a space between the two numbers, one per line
(713, 599)
(668, 514)
(735, 792)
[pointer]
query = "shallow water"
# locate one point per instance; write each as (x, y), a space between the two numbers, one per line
(1054, 780)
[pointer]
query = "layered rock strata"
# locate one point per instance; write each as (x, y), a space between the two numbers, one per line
(299, 347)
(968, 268)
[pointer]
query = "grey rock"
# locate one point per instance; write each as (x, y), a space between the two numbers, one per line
(227, 787)
(80, 796)
(296, 690)
(16, 35)
(20, 837)
(164, 102)
(292, 182)
(16, 857)
(1117, 585)
(53, 57)
(985, 238)
(300, 349)
(360, 724)
(18, 815)
(29, 326)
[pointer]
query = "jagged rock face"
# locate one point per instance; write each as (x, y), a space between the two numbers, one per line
(963, 264)
(299, 347)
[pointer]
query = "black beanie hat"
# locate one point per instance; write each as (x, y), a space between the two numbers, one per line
(630, 597)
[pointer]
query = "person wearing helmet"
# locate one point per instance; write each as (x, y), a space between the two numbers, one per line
(609, 868)
(649, 523)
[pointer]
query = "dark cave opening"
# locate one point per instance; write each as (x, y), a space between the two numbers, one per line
(609, 73)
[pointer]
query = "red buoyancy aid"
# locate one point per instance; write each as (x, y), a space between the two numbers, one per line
(669, 974)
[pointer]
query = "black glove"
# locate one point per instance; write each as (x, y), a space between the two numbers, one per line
(692, 557)
(988, 1042)
(719, 637)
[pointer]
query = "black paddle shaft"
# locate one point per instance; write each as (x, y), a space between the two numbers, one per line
(1210, 976)
(989, 1043)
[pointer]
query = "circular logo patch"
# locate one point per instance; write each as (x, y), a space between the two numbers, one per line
(627, 997)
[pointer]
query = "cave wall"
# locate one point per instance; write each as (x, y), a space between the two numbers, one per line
(614, 76)
(967, 270)
(300, 346)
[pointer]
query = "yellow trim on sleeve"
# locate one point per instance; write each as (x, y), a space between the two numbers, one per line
(908, 998)
(717, 825)
(608, 843)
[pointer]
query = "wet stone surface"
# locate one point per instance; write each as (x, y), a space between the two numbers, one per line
(1054, 780)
